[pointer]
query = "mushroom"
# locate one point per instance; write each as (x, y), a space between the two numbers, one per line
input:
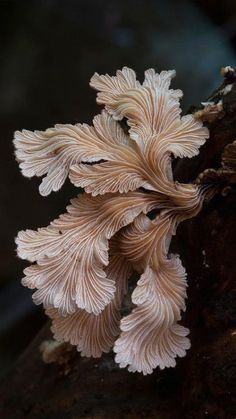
(83, 259)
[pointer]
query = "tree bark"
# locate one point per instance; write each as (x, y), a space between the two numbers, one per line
(203, 384)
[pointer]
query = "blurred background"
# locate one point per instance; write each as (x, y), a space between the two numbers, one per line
(49, 50)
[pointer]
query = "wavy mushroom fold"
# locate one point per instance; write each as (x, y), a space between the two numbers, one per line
(72, 252)
(100, 158)
(152, 111)
(91, 334)
(150, 335)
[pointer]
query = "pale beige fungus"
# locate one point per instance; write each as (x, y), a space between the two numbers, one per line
(85, 258)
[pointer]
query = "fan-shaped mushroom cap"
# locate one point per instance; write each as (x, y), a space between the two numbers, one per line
(85, 257)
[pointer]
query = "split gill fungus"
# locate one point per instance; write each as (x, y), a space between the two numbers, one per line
(84, 259)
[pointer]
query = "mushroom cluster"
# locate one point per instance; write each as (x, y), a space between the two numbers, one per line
(123, 222)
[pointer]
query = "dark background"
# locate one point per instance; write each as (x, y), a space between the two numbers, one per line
(49, 50)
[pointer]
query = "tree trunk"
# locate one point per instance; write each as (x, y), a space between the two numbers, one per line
(204, 382)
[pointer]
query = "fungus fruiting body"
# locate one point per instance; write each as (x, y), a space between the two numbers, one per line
(84, 259)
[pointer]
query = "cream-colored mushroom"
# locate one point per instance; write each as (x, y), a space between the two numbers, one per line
(85, 257)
